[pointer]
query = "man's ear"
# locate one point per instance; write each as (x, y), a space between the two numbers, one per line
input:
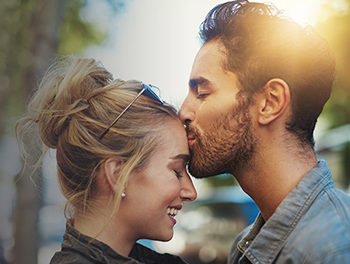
(111, 168)
(273, 101)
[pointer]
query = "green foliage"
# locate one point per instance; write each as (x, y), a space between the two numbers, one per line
(15, 18)
(16, 26)
(76, 33)
(221, 180)
(337, 111)
(337, 32)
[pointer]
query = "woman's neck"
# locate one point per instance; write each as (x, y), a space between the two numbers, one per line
(105, 230)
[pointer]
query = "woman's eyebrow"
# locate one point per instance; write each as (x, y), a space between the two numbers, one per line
(184, 157)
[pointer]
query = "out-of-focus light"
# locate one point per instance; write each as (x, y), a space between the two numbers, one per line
(175, 246)
(302, 11)
(195, 219)
(207, 254)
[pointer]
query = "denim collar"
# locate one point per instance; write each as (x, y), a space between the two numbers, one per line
(265, 240)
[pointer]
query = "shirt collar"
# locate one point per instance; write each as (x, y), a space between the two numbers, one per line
(265, 240)
(90, 247)
(99, 252)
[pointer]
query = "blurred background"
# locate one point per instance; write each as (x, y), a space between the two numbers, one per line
(154, 41)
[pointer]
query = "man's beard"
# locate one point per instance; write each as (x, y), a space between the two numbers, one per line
(226, 147)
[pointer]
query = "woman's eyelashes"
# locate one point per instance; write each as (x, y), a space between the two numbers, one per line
(178, 173)
(202, 95)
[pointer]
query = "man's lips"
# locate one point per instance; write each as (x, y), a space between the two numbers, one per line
(190, 140)
(190, 135)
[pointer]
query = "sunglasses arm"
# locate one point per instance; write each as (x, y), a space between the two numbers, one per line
(119, 116)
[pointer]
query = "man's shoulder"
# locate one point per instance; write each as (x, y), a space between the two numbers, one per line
(340, 201)
(324, 230)
(329, 211)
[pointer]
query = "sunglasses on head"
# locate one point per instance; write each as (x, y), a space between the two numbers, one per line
(147, 90)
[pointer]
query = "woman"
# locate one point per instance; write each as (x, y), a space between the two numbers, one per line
(121, 156)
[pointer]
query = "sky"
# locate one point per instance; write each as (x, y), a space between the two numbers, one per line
(155, 41)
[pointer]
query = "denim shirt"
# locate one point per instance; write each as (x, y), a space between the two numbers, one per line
(311, 225)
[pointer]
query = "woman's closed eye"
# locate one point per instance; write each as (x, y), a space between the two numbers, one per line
(202, 95)
(178, 173)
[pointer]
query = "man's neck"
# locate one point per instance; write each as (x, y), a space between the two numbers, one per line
(272, 173)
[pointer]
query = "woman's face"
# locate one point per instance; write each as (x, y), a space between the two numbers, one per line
(155, 193)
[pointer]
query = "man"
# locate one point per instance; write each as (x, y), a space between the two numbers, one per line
(257, 87)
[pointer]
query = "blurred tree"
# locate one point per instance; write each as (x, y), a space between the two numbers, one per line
(222, 180)
(335, 28)
(32, 32)
(41, 44)
(337, 32)
(75, 33)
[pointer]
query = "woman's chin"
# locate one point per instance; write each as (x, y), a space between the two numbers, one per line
(164, 237)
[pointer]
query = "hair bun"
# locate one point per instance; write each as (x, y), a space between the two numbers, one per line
(64, 91)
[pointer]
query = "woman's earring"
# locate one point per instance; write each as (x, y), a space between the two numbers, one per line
(123, 194)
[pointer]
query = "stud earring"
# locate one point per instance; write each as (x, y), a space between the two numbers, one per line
(123, 194)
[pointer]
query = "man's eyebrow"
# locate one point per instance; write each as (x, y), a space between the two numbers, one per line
(197, 81)
(184, 157)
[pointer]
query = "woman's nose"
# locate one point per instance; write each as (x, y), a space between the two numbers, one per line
(188, 192)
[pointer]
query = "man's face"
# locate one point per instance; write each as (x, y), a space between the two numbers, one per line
(220, 135)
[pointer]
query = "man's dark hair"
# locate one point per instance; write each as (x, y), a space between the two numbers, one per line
(261, 44)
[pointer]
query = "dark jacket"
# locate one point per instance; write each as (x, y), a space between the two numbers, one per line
(77, 249)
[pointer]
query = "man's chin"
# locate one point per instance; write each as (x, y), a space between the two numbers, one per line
(198, 165)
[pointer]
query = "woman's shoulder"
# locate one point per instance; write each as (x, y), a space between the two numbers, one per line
(70, 257)
(139, 254)
(78, 248)
(76, 257)
(149, 256)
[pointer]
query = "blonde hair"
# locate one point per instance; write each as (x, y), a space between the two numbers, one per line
(76, 101)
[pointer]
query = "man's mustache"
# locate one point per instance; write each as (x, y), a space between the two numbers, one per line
(190, 131)
(193, 133)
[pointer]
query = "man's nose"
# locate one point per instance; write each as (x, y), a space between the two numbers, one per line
(188, 192)
(186, 112)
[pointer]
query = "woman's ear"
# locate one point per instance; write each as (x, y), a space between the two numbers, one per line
(273, 101)
(111, 168)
